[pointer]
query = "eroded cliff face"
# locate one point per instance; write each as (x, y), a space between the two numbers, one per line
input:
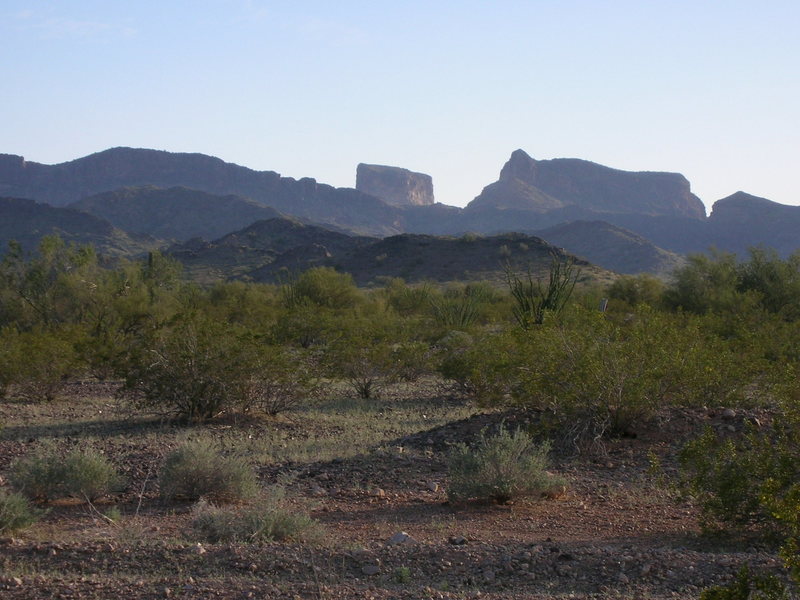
(396, 186)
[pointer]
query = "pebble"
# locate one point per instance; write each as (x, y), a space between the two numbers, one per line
(370, 570)
(728, 413)
(379, 493)
(433, 486)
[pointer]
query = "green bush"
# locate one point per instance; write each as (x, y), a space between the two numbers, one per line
(15, 512)
(321, 286)
(268, 519)
(748, 587)
(197, 470)
(748, 481)
(367, 353)
(593, 378)
(500, 468)
(50, 474)
(199, 369)
(751, 481)
(34, 364)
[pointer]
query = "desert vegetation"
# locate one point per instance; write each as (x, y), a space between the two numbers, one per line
(141, 408)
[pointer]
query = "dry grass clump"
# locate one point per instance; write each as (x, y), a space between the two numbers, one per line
(269, 519)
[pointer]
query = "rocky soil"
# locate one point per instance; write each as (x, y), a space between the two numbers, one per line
(389, 530)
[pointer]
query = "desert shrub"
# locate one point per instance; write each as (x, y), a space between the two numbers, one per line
(748, 587)
(34, 364)
(500, 468)
(452, 361)
(50, 474)
(481, 366)
(303, 325)
(321, 286)
(270, 518)
(751, 481)
(198, 369)
(776, 281)
(632, 290)
(407, 300)
(365, 352)
(198, 470)
(705, 283)
(281, 380)
(15, 512)
(412, 360)
(591, 378)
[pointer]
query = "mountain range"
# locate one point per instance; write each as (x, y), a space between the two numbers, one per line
(127, 201)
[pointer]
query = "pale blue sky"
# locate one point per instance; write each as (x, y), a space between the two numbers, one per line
(710, 89)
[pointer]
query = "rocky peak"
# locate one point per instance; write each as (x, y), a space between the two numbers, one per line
(744, 208)
(396, 186)
(519, 166)
(544, 185)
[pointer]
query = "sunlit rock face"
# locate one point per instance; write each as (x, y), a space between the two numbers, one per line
(394, 185)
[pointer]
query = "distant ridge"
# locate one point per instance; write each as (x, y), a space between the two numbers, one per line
(176, 213)
(116, 168)
(27, 222)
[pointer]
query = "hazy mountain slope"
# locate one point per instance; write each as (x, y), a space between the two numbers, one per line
(176, 213)
(611, 247)
(27, 221)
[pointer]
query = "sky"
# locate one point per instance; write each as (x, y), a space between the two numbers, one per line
(709, 89)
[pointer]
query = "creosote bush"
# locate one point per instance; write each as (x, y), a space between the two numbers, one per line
(270, 518)
(500, 468)
(34, 364)
(49, 474)
(15, 512)
(199, 369)
(748, 587)
(197, 470)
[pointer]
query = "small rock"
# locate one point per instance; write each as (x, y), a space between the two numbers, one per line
(731, 428)
(379, 493)
(198, 549)
(401, 537)
(457, 540)
(433, 486)
(16, 581)
(370, 570)
(623, 579)
(728, 413)
(646, 568)
(318, 491)
(489, 575)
